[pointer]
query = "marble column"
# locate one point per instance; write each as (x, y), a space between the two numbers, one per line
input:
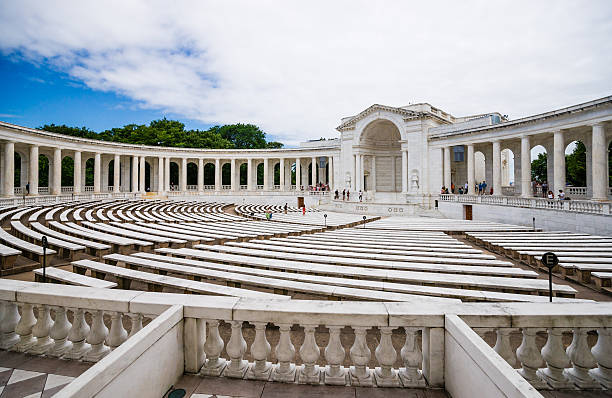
(249, 174)
(167, 174)
(97, 172)
(558, 161)
(470, 170)
(117, 173)
(281, 170)
(373, 179)
(33, 173)
(298, 173)
(497, 177)
(393, 171)
(9, 169)
(330, 172)
(599, 158)
(313, 172)
(183, 173)
(447, 167)
(217, 174)
(141, 175)
(200, 175)
(266, 179)
(134, 173)
(233, 172)
(78, 173)
(526, 190)
(56, 188)
(404, 171)
(161, 184)
(354, 181)
(361, 172)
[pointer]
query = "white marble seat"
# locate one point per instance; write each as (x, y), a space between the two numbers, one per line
(94, 248)
(71, 278)
(158, 282)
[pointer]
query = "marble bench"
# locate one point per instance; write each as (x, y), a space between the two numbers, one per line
(117, 243)
(71, 278)
(511, 285)
(602, 279)
(156, 282)
(94, 248)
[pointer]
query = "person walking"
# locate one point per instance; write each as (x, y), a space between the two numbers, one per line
(348, 195)
(484, 187)
(360, 195)
(336, 194)
(561, 195)
(285, 208)
(303, 210)
(343, 194)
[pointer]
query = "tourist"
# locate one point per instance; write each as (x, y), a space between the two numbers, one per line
(561, 195)
(285, 208)
(360, 195)
(28, 188)
(465, 188)
(491, 192)
(460, 190)
(551, 195)
(452, 187)
(484, 187)
(348, 195)
(442, 190)
(303, 210)
(478, 188)
(343, 194)
(545, 189)
(336, 194)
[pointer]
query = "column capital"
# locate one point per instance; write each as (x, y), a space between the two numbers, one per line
(496, 141)
(596, 124)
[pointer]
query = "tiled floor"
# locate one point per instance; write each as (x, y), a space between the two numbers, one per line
(215, 387)
(25, 376)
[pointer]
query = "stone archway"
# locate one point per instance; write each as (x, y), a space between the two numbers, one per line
(382, 163)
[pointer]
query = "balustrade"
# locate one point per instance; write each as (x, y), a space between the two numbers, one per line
(36, 327)
(192, 187)
(88, 188)
(43, 190)
(209, 187)
(226, 187)
(67, 189)
(30, 328)
(244, 187)
(18, 190)
(259, 187)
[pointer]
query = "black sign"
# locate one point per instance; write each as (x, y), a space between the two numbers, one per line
(45, 244)
(549, 259)
(325, 215)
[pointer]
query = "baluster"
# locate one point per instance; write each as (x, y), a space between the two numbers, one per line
(335, 373)
(309, 352)
(556, 360)
(96, 338)
(602, 351)
(77, 335)
(41, 331)
(412, 357)
(213, 347)
(260, 350)
(285, 352)
(136, 324)
(503, 347)
(117, 334)
(236, 347)
(10, 319)
(530, 358)
(59, 333)
(582, 360)
(24, 328)
(360, 354)
(385, 375)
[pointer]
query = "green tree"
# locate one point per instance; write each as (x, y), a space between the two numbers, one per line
(82, 132)
(575, 166)
(538, 168)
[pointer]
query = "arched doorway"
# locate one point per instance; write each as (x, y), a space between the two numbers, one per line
(67, 172)
(89, 174)
(243, 174)
(226, 174)
(43, 174)
(209, 174)
(174, 176)
(382, 169)
(277, 174)
(192, 174)
(539, 171)
(260, 174)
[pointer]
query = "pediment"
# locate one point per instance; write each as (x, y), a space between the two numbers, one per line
(351, 122)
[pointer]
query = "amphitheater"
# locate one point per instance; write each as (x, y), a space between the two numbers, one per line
(139, 285)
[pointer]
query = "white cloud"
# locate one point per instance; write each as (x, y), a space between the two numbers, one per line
(295, 68)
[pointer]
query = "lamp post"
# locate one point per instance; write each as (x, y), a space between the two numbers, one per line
(364, 223)
(325, 217)
(550, 260)
(45, 244)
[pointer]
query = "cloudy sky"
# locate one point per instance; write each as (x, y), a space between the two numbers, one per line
(295, 68)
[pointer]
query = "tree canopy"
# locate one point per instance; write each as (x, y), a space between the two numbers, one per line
(575, 167)
(172, 133)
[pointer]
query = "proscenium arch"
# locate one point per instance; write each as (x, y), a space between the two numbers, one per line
(381, 132)
(363, 125)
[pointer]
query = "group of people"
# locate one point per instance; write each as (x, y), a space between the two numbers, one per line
(346, 195)
(480, 189)
(319, 187)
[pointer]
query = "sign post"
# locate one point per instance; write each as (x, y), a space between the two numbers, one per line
(325, 217)
(45, 244)
(550, 260)
(364, 223)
